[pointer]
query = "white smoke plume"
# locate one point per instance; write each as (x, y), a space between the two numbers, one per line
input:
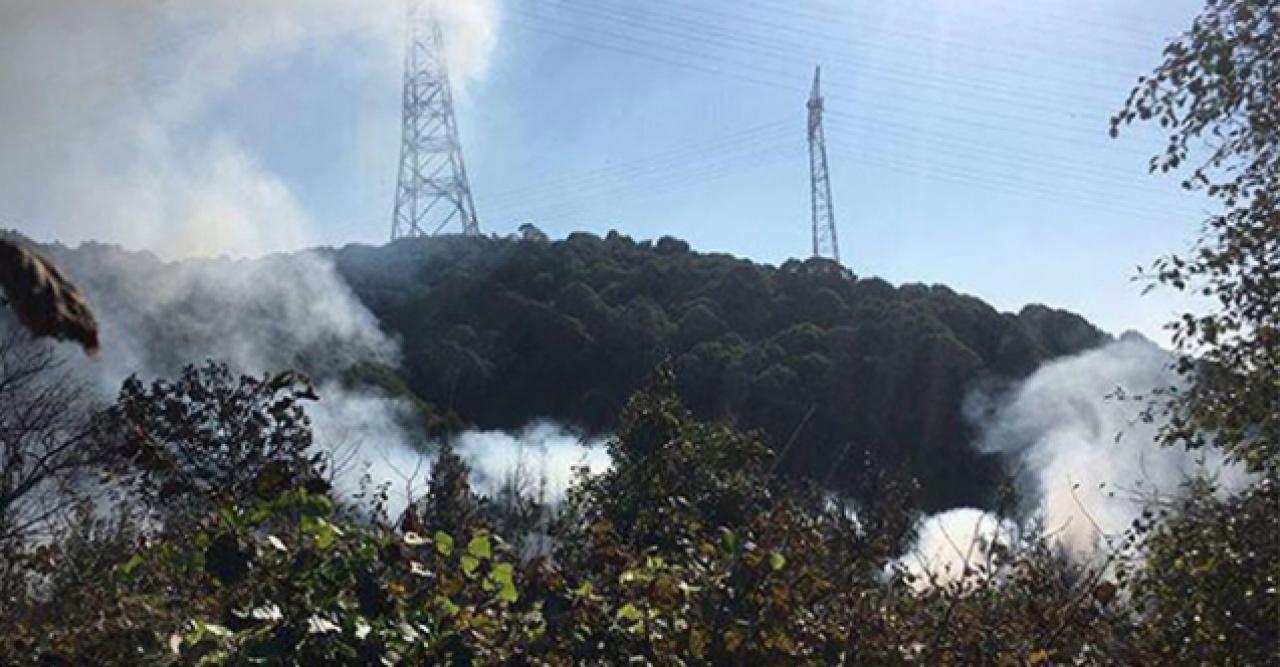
(539, 460)
(295, 310)
(112, 112)
(259, 315)
(542, 451)
(1086, 460)
(953, 542)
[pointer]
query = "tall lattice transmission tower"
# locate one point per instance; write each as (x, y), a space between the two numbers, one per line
(432, 190)
(825, 243)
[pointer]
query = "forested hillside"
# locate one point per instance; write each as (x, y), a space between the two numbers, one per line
(502, 331)
(837, 371)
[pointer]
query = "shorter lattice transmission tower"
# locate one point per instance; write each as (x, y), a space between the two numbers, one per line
(825, 243)
(432, 190)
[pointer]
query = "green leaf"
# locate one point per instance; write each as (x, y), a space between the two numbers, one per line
(323, 532)
(131, 565)
(777, 561)
(447, 607)
(469, 564)
(317, 504)
(629, 612)
(325, 535)
(507, 593)
(444, 543)
(729, 539)
(229, 517)
(503, 572)
(480, 547)
(504, 575)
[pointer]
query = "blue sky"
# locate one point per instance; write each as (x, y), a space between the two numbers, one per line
(968, 139)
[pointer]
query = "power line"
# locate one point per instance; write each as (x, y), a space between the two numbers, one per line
(663, 180)
(670, 54)
(1003, 184)
(721, 22)
(978, 151)
(802, 52)
(641, 165)
(1089, 33)
(893, 110)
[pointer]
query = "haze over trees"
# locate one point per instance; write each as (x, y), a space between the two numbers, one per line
(496, 333)
(190, 521)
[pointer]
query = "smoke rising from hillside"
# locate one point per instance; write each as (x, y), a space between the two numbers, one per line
(285, 311)
(950, 541)
(119, 116)
(1085, 458)
(259, 315)
(539, 460)
(542, 450)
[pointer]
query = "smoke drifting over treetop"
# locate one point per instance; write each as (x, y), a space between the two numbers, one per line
(285, 311)
(1086, 461)
(117, 125)
(1085, 456)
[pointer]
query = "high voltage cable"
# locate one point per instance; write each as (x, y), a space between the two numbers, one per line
(792, 9)
(689, 177)
(552, 29)
(969, 149)
(657, 178)
(639, 171)
(965, 162)
(767, 129)
(989, 182)
(669, 186)
(998, 181)
(884, 71)
(762, 82)
(650, 183)
(781, 76)
(770, 27)
(1006, 25)
(700, 29)
(623, 168)
(778, 83)
(993, 182)
(661, 161)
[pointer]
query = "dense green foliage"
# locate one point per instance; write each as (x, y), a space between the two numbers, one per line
(690, 551)
(502, 331)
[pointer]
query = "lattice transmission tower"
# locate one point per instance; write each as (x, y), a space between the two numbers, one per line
(432, 190)
(825, 243)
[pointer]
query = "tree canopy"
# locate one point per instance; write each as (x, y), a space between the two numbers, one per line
(504, 331)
